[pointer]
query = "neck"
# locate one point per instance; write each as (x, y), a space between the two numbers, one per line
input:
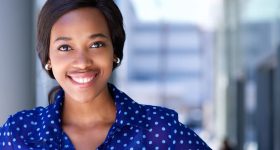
(100, 110)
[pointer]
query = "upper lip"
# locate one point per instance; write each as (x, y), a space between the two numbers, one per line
(89, 74)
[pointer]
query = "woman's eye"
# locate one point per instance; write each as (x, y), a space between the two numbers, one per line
(64, 48)
(97, 45)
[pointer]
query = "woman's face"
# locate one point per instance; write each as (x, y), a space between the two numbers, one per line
(81, 53)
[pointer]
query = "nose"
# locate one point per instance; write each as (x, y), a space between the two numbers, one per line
(82, 60)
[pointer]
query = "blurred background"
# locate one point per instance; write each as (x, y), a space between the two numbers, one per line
(216, 62)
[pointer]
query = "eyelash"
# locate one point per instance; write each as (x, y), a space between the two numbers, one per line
(64, 46)
(99, 44)
(68, 48)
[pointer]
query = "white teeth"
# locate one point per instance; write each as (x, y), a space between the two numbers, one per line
(82, 80)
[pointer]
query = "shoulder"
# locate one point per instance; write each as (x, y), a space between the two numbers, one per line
(163, 127)
(20, 126)
(24, 116)
(160, 115)
(24, 120)
(184, 137)
(20, 119)
(159, 125)
(157, 119)
(146, 116)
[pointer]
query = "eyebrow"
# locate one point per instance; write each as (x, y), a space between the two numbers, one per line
(93, 36)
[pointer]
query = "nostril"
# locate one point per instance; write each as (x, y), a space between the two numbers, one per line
(82, 62)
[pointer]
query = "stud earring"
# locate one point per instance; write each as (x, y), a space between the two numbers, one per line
(117, 60)
(48, 66)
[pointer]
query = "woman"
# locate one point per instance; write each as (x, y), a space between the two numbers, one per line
(80, 43)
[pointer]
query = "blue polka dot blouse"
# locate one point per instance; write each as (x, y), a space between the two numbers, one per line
(137, 127)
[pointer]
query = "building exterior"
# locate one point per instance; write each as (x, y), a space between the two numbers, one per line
(166, 63)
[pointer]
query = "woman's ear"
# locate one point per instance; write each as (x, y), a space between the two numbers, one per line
(48, 66)
(117, 60)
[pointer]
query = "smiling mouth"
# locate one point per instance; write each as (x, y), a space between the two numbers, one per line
(83, 79)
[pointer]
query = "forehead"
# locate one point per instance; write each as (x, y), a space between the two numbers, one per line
(82, 20)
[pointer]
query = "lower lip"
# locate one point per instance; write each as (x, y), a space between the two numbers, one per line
(84, 85)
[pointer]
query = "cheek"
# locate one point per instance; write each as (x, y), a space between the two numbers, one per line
(105, 65)
(109, 63)
(104, 59)
(57, 69)
(58, 65)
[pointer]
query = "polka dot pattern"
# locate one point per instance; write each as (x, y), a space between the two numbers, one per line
(137, 127)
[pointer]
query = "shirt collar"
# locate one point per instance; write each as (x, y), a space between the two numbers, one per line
(124, 104)
(52, 128)
(128, 113)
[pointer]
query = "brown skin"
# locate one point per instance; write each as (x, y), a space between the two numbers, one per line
(81, 48)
